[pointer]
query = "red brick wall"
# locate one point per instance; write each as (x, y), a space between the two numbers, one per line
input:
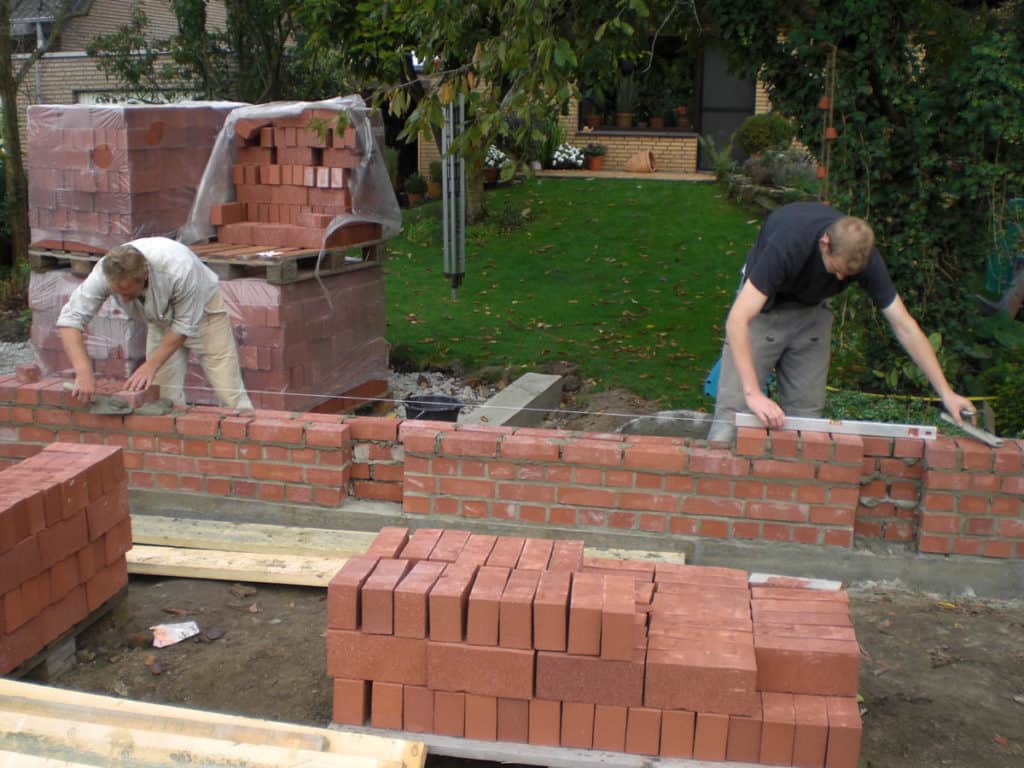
(948, 495)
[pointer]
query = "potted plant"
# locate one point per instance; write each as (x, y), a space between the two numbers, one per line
(494, 160)
(593, 156)
(415, 186)
(625, 102)
(434, 185)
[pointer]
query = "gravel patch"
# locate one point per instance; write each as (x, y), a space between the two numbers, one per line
(13, 354)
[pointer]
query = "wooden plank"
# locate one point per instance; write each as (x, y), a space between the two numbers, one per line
(219, 565)
(532, 754)
(199, 533)
(138, 714)
(643, 555)
(53, 737)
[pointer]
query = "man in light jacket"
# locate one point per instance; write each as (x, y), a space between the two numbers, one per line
(164, 283)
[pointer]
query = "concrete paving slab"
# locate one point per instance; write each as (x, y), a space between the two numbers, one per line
(522, 403)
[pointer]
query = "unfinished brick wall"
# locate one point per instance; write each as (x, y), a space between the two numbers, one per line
(803, 488)
(526, 640)
(100, 176)
(64, 531)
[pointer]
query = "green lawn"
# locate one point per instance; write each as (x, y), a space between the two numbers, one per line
(629, 280)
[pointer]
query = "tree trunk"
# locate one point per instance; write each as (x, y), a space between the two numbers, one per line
(474, 193)
(15, 181)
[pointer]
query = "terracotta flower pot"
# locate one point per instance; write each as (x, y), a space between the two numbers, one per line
(490, 175)
(831, 133)
(592, 121)
(821, 172)
(642, 162)
(623, 119)
(594, 162)
(434, 189)
(657, 123)
(415, 198)
(824, 103)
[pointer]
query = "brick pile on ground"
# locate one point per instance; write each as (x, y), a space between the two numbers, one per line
(290, 181)
(102, 175)
(526, 640)
(64, 531)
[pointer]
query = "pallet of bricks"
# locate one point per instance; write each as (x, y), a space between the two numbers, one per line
(526, 640)
(64, 532)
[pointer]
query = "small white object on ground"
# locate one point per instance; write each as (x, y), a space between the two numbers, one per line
(169, 634)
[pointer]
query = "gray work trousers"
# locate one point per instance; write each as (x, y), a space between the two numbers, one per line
(792, 340)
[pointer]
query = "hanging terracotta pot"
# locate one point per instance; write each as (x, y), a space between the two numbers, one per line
(824, 103)
(822, 172)
(831, 133)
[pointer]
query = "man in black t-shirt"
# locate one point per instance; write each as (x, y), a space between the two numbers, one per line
(780, 321)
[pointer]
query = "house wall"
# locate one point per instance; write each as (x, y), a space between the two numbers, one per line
(672, 152)
(943, 496)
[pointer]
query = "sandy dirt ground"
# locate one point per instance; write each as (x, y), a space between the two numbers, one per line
(942, 682)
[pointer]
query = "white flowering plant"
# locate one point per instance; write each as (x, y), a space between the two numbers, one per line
(495, 158)
(567, 156)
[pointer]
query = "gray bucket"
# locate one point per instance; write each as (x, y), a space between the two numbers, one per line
(433, 408)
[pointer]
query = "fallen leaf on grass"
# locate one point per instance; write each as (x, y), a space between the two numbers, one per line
(1002, 741)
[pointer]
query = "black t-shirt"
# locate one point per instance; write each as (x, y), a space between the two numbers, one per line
(785, 263)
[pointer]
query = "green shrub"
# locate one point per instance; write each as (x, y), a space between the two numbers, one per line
(435, 171)
(759, 133)
(415, 184)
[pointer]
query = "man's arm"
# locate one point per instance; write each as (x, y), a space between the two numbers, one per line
(74, 346)
(913, 340)
(745, 308)
(144, 374)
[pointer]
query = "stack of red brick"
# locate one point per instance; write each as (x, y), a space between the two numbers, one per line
(526, 640)
(64, 531)
(292, 176)
(102, 175)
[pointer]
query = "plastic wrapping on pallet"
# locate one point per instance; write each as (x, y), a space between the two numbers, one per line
(298, 344)
(115, 341)
(100, 175)
(297, 175)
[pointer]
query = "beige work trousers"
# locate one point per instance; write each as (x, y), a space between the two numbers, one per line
(215, 346)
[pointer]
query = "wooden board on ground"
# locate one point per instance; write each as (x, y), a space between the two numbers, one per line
(220, 565)
(45, 723)
(643, 555)
(198, 533)
(532, 754)
(278, 266)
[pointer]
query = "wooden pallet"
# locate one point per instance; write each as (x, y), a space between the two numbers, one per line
(57, 728)
(58, 656)
(278, 266)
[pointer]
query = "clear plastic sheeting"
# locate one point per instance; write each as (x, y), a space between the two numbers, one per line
(366, 179)
(102, 175)
(300, 344)
(115, 341)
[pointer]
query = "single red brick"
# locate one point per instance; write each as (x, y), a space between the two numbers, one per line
(448, 601)
(672, 622)
(536, 555)
(618, 617)
(386, 706)
(106, 583)
(481, 717)
(411, 599)
(516, 616)
(343, 592)
(610, 727)
(449, 545)
(807, 665)
(351, 701)
(778, 731)
(715, 677)
(449, 713)
(591, 679)
(551, 611)
(376, 657)
(701, 575)
(545, 722)
(64, 577)
(378, 596)
(585, 614)
(744, 743)
(811, 731)
(514, 720)
(577, 725)
(711, 736)
(844, 733)
(418, 708)
(421, 544)
(566, 556)
(61, 616)
(643, 731)
(482, 670)
(477, 549)
(677, 728)
(826, 617)
(485, 605)
(389, 542)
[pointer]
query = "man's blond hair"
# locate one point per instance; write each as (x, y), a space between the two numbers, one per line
(851, 240)
(124, 261)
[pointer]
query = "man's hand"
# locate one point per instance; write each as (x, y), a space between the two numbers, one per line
(85, 386)
(958, 407)
(766, 409)
(142, 378)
